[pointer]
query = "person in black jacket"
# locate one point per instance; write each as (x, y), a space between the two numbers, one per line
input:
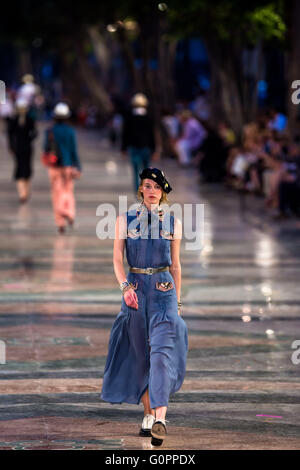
(138, 136)
(21, 132)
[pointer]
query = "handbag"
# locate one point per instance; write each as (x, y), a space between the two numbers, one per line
(51, 157)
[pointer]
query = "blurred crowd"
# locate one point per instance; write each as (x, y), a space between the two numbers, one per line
(40, 103)
(263, 160)
(20, 112)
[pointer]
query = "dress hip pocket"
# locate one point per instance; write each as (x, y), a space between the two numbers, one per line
(164, 286)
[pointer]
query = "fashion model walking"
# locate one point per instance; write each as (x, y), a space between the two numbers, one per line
(68, 168)
(21, 132)
(148, 343)
(138, 137)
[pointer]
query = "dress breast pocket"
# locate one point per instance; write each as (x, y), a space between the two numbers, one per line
(167, 235)
(134, 233)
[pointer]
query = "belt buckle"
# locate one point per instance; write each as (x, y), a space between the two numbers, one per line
(149, 270)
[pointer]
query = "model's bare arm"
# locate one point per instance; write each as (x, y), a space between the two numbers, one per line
(175, 268)
(130, 296)
(118, 258)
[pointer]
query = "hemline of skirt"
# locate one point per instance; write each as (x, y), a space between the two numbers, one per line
(118, 402)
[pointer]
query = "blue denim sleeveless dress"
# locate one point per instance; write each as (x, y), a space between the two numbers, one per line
(147, 347)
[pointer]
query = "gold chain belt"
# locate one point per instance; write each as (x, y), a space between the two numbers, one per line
(148, 270)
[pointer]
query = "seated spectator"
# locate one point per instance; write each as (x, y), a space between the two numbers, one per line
(239, 169)
(245, 168)
(171, 131)
(230, 178)
(257, 165)
(226, 133)
(200, 106)
(250, 134)
(277, 121)
(191, 139)
(213, 156)
(274, 160)
(286, 177)
(289, 198)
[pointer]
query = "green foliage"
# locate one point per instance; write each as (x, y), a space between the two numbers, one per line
(223, 20)
(228, 21)
(267, 22)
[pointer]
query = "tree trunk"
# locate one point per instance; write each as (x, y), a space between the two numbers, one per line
(101, 51)
(215, 102)
(70, 77)
(129, 60)
(253, 71)
(231, 99)
(25, 62)
(167, 52)
(92, 82)
(227, 84)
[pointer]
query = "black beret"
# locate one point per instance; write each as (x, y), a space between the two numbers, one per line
(156, 175)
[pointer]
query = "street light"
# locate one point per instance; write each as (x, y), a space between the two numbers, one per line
(162, 6)
(111, 28)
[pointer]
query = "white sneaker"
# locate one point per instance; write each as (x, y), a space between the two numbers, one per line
(147, 424)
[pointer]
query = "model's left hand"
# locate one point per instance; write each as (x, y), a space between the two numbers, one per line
(131, 299)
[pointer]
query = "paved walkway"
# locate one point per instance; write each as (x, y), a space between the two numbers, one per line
(59, 297)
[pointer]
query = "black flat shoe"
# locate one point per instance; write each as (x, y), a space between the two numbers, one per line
(145, 433)
(156, 442)
(158, 433)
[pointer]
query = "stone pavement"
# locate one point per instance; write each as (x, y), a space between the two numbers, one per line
(59, 298)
